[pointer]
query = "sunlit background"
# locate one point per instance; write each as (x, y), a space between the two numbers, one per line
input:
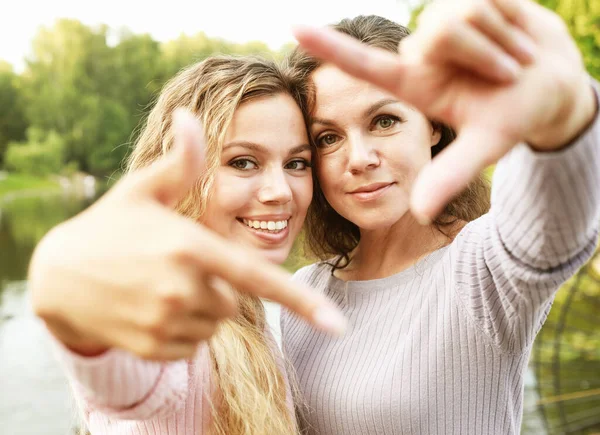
(76, 79)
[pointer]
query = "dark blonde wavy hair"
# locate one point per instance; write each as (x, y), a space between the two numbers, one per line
(328, 233)
(251, 392)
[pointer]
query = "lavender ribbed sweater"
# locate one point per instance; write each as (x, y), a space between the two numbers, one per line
(441, 348)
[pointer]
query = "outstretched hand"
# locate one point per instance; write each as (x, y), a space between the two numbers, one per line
(499, 71)
(130, 272)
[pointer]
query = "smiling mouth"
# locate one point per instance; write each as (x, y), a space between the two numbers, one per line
(371, 193)
(268, 227)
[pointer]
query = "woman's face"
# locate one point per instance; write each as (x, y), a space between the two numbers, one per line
(370, 148)
(263, 186)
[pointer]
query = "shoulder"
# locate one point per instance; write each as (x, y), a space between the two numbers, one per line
(473, 230)
(313, 274)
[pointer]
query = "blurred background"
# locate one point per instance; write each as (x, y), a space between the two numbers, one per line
(76, 79)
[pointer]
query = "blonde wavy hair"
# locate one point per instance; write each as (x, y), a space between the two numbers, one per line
(251, 391)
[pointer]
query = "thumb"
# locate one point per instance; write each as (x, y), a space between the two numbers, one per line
(170, 177)
(450, 172)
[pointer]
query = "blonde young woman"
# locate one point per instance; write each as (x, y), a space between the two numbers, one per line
(130, 283)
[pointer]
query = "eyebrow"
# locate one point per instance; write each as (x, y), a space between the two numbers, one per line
(370, 111)
(261, 149)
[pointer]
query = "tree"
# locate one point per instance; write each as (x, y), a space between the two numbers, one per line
(583, 19)
(69, 71)
(12, 118)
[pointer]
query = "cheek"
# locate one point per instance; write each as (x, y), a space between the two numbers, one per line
(229, 196)
(407, 160)
(302, 189)
(330, 172)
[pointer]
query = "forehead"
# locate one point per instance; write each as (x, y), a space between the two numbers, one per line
(336, 90)
(265, 119)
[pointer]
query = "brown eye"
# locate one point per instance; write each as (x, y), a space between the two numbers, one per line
(327, 140)
(243, 164)
(298, 165)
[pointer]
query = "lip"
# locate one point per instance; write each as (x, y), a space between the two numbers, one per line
(268, 217)
(371, 191)
(269, 238)
(371, 187)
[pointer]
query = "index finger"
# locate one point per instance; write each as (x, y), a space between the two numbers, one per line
(249, 274)
(450, 172)
(375, 65)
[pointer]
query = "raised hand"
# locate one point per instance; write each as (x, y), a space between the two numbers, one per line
(499, 71)
(130, 272)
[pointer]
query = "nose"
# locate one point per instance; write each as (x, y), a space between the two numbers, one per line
(362, 156)
(275, 188)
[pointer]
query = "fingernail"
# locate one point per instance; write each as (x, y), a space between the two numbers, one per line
(180, 116)
(299, 28)
(330, 320)
(527, 48)
(509, 68)
(422, 219)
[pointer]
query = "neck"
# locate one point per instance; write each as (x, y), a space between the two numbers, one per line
(386, 251)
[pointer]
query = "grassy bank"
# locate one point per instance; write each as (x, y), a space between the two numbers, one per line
(10, 183)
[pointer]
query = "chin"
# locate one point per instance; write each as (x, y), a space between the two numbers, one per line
(276, 256)
(382, 219)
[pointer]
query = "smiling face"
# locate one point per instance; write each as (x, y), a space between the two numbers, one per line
(263, 186)
(370, 148)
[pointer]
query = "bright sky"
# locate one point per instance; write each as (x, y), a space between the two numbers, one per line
(235, 20)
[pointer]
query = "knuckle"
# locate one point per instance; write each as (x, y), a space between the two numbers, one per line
(148, 347)
(179, 250)
(229, 308)
(242, 266)
(474, 13)
(206, 331)
(170, 302)
(154, 323)
(158, 330)
(443, 38)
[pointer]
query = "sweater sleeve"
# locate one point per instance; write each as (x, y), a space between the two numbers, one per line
(542, 227)
(123, 386)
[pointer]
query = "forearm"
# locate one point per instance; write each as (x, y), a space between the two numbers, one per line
(546, 206)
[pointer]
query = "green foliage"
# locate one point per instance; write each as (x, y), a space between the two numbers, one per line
(41, 155)
(582, 18)
(20, 182)
(298, 257)
(92, 87)
(12, 118)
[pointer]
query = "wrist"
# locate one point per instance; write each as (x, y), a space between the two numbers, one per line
(570, 123)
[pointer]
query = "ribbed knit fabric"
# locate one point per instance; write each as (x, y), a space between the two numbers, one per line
(441, 348)
(121, 394)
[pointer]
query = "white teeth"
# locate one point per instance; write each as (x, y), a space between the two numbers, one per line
(266, 225)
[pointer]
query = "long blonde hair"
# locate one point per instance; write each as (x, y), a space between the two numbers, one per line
(251, 392)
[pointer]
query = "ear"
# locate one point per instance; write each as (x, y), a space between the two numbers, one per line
(436, 133)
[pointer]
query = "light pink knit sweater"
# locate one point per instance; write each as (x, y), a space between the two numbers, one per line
(122, 394)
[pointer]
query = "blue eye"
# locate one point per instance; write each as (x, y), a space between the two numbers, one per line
(243, 164)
